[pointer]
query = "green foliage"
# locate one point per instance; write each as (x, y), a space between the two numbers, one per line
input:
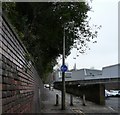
(40, 26)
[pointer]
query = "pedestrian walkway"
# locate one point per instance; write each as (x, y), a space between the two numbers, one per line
(49, 101)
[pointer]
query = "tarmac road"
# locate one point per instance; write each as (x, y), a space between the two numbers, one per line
(113, 103)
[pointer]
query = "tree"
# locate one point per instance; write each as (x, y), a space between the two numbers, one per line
(40, 26)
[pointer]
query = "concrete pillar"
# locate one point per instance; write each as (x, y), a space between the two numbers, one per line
(102, 94)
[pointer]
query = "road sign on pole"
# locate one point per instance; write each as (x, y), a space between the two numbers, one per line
(64, 68)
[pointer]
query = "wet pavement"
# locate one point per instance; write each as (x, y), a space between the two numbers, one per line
(48, 102)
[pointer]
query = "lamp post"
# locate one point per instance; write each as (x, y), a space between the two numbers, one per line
(63, 74)
(64, 69)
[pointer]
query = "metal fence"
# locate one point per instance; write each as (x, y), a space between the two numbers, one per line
(20, 84)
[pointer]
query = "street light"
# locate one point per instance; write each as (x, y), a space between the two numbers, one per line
(64, 67)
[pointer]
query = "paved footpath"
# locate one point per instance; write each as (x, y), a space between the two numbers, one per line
(49, 100)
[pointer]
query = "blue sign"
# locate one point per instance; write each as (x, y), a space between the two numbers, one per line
(64, 68)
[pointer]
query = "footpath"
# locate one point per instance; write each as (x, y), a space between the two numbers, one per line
(48, 105)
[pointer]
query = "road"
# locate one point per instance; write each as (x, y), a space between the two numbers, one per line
(113, 103)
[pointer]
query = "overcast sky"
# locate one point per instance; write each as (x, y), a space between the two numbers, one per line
(105, 51)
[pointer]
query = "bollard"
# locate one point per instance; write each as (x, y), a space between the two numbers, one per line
(57, 100)
(84, 104)
(49, 86)
(71, 100)
(52, 88)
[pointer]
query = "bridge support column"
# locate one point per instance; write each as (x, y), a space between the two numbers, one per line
(94, 93)
(102, 94)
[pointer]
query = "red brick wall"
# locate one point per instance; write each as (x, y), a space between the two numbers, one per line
(19, 82)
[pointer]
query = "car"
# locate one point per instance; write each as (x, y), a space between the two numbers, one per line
(46, 85)
(118, 94)
(114, 92)
(107, 93)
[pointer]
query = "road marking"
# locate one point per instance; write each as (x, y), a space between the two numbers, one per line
(75, 110)
(111, 108)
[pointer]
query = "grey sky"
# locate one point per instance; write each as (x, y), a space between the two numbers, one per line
(105, 51)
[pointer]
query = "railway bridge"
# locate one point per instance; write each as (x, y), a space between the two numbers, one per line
(93, 89)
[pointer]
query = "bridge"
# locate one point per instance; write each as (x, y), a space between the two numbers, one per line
(91, 81)
(93, 89)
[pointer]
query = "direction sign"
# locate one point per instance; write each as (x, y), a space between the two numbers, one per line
(64, 68)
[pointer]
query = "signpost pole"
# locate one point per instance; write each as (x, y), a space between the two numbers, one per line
(63, 73)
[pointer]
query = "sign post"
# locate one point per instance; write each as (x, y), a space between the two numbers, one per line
(63, 74)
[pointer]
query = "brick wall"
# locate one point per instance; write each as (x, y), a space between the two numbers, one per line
(19, 81)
